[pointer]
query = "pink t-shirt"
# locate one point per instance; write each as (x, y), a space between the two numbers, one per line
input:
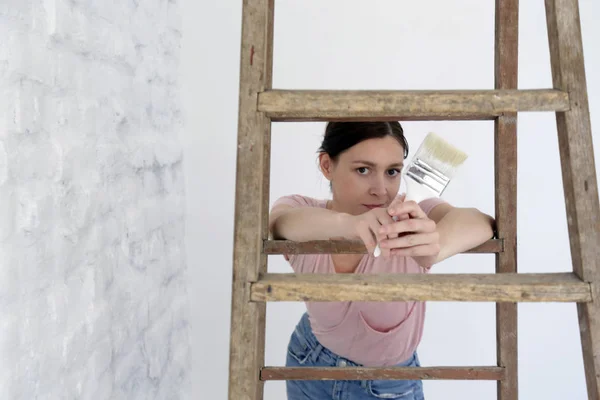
(368, 333)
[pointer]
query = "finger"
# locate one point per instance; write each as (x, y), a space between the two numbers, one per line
(411, 240)
(408, 225)
(378, 218)
(409, 207)
(365, 232)
(367, 239)
(383, 237)
(374, 227)
(398, 200)
(374, 248)
(383, 219)
(401, 217)
(416, 251)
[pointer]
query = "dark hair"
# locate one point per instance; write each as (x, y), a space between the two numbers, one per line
(340, 136)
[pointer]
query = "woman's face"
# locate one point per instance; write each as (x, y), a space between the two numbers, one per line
(365, 176)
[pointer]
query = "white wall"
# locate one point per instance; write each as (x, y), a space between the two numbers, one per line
(382, 45)
(93, 287)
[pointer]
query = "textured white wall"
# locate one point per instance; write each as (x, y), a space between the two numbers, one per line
(93, 292)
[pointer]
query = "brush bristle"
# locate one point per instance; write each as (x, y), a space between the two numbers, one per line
(440, 154)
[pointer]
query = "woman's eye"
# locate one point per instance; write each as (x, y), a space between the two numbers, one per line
(393, 172)
(362, 170)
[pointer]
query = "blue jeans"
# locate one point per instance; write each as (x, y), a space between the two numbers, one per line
(304, 350)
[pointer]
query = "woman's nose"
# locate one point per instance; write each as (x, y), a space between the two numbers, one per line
(378, 186)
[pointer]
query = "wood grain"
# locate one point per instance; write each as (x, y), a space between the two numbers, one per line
(505, 166)
(391, 373)
(347, 247)
(251, 203)
(320, 105)
(578, 173)
(507, 287)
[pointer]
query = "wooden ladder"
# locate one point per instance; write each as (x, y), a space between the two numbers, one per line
(259, 105)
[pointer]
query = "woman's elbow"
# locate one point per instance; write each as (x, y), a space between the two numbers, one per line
(275, 223)
(275, 228)
(485, 226)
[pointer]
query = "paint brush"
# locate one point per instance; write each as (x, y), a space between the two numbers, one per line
(430, 171)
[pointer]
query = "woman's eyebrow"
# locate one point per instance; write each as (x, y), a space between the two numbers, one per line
(371, 164)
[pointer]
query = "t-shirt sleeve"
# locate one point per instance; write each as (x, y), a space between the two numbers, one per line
(300, 263)
(296, 200)
(428, 204)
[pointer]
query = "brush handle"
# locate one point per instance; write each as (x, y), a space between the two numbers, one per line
(415, 191)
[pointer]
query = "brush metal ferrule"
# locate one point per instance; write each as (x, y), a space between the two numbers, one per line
(428, 176)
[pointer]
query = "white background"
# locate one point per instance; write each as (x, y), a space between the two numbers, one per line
(382, 45)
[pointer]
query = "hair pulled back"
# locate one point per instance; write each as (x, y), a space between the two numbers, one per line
(340, 136)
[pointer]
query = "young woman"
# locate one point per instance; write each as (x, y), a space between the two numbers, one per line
(363, 162)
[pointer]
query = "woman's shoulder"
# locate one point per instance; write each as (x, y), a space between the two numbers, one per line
(299, 200)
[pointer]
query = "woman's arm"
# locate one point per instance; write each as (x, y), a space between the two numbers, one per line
(301, 224)
(314, 223)
(460, 229)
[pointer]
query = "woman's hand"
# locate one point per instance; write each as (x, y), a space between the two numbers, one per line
(411, 233)
(366, 227)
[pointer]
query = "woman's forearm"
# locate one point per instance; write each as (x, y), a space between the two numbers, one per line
(311, 223)
(462, 229)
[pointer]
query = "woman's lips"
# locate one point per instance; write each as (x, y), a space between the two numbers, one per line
(371, 206)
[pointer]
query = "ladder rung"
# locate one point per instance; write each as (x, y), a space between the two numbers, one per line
(348, 247)
(321, 105)
(505, 287)
(388, 373)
